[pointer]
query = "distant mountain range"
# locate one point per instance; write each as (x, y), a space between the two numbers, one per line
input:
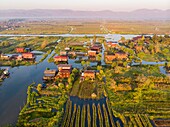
(141, 14)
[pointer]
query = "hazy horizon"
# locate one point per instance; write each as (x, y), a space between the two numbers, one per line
(86, 10)
(86, 5)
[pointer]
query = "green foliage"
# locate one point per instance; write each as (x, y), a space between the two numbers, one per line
(73, 116)
(100, 115)
(88, 116)
(94, 115)
(110, 113)
(39, 87)
(85, 64)
(99, 68)
(106, 119)
(122, 39)
(4, 44)
(98, 57)
(77, 123)
(43, 110)
(114, 64)
(83, 116)
(141, 55)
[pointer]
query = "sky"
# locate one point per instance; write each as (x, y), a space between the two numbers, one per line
(88, 5)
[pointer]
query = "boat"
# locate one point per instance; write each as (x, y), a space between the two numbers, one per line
(6, 72)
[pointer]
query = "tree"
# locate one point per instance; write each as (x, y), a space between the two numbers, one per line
(122, 38)
(141, 55)
(165, 51)
(39, 87)
(99, 68)
(125, 64)
(99, 57)
(87, 63)
(102, 72)
(131, 57)
(47, 68)
(61, 85)
(114, 64)
(70, 80)
(166, 36)
(143, 38)
(168, 58)
(131, 45)
(100, 77)
(151, 49)
(130, 51)
(117, 69)
(83, 63)
(75, 71)
(6, 43)
(140, 42)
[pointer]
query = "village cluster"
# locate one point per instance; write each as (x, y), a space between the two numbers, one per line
(112, 52)
(65, 69)
(91, 69)
(93, 51)
(21, 54)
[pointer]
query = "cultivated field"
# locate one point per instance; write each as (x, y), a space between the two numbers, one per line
(89, 27)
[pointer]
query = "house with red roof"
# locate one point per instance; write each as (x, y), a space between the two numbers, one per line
(49, 74)
(138, 38)
(96, 48)
(20, 50)
(111, 44)
(64, 73)
(121, 55)
(60, 58)
(88, 74)
(110, 57)
(64, 67)
(91, 53)
(28, 55)
(64, 70)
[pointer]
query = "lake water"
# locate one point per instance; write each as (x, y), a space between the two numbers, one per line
(13, 90)
(116, 37)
